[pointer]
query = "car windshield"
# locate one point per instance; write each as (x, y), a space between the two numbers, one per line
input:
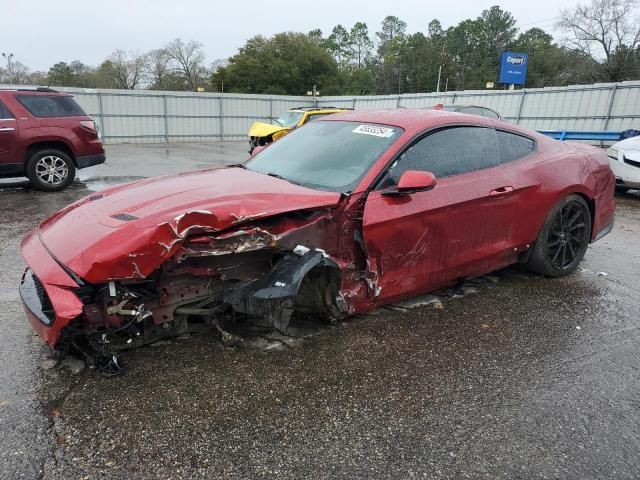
(324, 155)
(289, 119)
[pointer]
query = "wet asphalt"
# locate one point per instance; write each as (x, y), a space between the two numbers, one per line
(510, 376)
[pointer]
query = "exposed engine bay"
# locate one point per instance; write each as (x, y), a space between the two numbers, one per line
(211, 281)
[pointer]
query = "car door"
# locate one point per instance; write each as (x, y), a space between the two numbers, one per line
(522, 165)
(424, 240)
(8, 138)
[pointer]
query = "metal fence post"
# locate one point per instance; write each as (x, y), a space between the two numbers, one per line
(612, 97)
(354, 103)
(221, 118)
(270, 108)
(398, 104)
(166, 118)
(101, 115)
(520, 107)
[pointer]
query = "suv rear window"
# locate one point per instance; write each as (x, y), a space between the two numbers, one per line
(50, 105)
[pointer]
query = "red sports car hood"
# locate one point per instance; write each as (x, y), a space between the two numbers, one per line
(129, 230)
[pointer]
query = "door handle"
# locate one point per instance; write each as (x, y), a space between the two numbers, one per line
(7, 129)
(500, 191)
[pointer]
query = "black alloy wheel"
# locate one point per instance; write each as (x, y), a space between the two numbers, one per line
(563, 239)
(568, 236)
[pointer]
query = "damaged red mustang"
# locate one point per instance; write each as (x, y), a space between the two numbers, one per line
(339, 217)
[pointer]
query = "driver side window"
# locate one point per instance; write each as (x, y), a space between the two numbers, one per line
(447, 152)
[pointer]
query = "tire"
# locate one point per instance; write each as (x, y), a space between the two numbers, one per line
(50, 170)
(563, 239)
(621, 189)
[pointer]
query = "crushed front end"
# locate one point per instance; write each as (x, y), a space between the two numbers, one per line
(210, 279)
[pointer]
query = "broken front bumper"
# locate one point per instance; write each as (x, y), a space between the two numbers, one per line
(47, 291)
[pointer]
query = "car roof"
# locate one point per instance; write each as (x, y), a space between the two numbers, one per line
(463, 105)
(407, 117)
(420, 119)
(35, 91)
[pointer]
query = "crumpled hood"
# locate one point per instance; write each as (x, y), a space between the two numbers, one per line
(260, 129)
(129, 230)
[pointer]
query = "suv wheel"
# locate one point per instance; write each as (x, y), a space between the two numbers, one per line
(50, 170)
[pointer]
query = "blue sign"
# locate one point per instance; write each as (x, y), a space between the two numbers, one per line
(513, 68)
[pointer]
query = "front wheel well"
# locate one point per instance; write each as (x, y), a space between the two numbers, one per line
(39, 146)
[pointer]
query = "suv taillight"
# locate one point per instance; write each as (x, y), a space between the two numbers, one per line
(90, 126)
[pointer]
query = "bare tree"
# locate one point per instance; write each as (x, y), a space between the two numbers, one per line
(16, 73)
(189, 58)
(19, 74)
(158, 67)
(129, 70)
(607, 31)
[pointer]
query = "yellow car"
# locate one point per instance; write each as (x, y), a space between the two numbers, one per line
(262, 134)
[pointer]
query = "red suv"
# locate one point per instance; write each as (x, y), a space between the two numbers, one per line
(46, 136)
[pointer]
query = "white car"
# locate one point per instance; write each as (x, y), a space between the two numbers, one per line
(624, 158)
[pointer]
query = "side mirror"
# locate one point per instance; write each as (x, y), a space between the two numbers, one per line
(413, 181)
(258, 149)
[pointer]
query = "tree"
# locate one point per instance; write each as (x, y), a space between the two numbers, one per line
(316, 35)
(496, 32)
(83, 73)
(158, 68)
(75, 74)
(105, 76)
(60, 74)
(360, 42)
(19, 74)
(128, 69)
(463, 49)
(390, 72)
(287, 63)
(434, 30)
(550, 64)
(339, 45)
(390, 36)
(189, 59)
(608, 31)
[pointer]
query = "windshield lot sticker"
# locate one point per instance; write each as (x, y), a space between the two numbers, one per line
(375, 130)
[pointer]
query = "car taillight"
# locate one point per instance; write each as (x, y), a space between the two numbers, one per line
(90, 126)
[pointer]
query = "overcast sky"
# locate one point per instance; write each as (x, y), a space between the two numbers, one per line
(42, 32)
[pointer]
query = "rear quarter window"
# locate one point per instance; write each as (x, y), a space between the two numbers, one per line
(50, 105)
(4, 112)
(513, 146)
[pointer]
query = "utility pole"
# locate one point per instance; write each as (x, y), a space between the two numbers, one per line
(440, 68)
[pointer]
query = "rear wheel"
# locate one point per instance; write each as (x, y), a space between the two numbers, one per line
(50, 170)
(563, 240)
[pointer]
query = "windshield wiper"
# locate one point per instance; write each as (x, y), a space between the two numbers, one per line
(237, 165)
(275, 175)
